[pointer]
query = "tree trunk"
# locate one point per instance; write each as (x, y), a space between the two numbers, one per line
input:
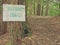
(21, 2)
(3, 28)
(39, 8)
(3, 25)
(59, 7)
(42, 7)
(0, 2)
(15, 28)
(34, 7)
(47, 7)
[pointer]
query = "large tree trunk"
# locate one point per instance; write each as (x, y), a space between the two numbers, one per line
(15, 28)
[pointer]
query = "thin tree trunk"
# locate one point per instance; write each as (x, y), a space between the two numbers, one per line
(34, 7)
(42, 7)
(39, 8)
(47, 7)
(59, 7)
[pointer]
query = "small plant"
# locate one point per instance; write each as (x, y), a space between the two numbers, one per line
(26, 32)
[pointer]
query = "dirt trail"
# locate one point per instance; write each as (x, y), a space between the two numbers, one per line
(46, 31)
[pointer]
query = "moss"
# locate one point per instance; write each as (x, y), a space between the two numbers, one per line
(8, 43)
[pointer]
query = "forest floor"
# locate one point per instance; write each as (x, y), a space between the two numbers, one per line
(44, 32)
(4, 39)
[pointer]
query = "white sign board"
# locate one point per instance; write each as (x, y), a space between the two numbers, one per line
(13, 12)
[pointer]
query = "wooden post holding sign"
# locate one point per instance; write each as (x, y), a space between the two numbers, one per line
(14, 14)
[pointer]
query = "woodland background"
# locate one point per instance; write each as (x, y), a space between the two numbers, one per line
(42, 19)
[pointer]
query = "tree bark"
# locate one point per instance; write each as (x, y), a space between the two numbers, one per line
(21, 2)
(42, 8)
(15, 28)
(47, 7)
(3, 25)
(39, 8)
(59, 7)
(34, 7)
